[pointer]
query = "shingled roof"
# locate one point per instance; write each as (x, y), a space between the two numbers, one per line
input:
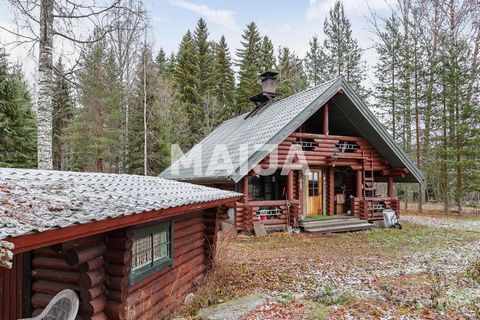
(35, 200)
(261, 133)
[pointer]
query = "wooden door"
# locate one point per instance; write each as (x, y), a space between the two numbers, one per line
(314, 192)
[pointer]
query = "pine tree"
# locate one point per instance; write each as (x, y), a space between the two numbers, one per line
(17, 121)
(315, 63)
(224, 78)
(62, 114)
(95, 133)
(343, 55)
(267, 58)
(291, 78)
(148, 85)
(249, 68)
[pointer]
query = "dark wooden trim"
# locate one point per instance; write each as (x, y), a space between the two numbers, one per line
(325, 120)
(390, 187)
(32, 241)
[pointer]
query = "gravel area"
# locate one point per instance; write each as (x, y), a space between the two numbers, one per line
(443, 222)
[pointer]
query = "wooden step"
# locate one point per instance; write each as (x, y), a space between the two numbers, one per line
(328, 222)
(341, 228)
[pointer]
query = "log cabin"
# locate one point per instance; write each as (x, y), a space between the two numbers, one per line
(316, 153)
(130, 246)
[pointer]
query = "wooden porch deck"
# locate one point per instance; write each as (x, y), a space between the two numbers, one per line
(335, 224)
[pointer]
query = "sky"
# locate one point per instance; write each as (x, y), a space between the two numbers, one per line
(290, 23)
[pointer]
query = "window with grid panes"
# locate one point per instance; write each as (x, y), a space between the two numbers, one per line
(151, 251)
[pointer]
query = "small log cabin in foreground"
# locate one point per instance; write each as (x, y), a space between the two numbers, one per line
(318, 152)
(130, 246)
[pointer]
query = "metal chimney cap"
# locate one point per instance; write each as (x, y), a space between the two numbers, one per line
(269, 74)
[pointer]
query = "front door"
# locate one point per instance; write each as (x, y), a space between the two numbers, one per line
(314, 192)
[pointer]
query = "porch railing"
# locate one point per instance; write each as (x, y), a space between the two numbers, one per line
(270, 213)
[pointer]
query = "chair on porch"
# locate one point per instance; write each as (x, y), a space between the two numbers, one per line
(64, 306)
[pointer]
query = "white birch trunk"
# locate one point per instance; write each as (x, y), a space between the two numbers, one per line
(145, 160)
(44, 100)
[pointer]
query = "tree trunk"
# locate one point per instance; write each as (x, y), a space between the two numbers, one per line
(45, 75)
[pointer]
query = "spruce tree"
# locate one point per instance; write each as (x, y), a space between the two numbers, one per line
(387, 72)
(17, 121)
(204, 58)
(343, 55)
(95, 133)
(62, 114)
(161, 62)
(224, 78)
(248, 63)
(291, 77)
(267, 58)
(315, 63)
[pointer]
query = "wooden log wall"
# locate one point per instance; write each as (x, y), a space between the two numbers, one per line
(324, 149)
(118, 265)
(211, 221)
(11, 290)
(155, 296)
(50, 274)
(76, 265)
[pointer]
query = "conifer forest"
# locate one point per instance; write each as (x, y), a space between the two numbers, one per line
(124, 101)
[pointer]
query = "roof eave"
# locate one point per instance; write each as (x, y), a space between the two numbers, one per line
(380, 129)
(46, 238)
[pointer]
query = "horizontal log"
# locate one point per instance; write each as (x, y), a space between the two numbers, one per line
(92, 278)
(117, 283)
(163, 298)
(47, 252)
(41, 300)
(88, 294)
(121, 270)
(78, 256)
(92, 264)
(118, 256)
(112, 310)
(187, 231)
(57, 275)
(57, 263)
(99, 316)
(116, 296)
(120, 243)
(94, 306)
(53, 287)
(137, 291)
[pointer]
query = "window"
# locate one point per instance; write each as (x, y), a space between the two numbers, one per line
(151, 250)
(313, 188)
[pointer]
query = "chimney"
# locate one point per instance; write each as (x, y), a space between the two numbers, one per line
(269, 84)
(268, 88)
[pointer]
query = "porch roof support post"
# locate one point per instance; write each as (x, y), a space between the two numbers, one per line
(245, 187)
(390, 192)
(290, 185)
(325, 120)
(331, 192)
(359, 184)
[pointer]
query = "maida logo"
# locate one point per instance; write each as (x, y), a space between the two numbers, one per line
(224, 160)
